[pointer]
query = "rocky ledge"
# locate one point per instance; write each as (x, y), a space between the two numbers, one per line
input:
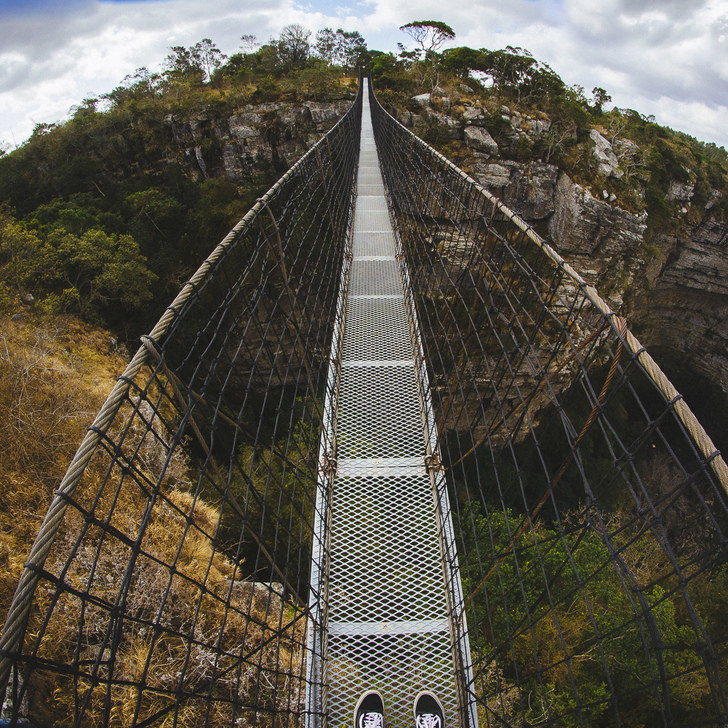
(671, 285)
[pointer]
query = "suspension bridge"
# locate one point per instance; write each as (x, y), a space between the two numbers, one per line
(384, 438)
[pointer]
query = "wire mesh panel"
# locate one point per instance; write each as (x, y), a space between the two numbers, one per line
(387, 624)
(589, 506)
(169, 584)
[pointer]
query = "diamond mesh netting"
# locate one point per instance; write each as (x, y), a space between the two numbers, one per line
(589, 505)
(170, 579)
(171, 584)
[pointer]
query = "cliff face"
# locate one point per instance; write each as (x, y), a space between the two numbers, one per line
(683, 305)
(671, 285)
(265, 134)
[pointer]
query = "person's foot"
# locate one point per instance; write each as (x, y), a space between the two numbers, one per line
(428, 711)
(369, 711)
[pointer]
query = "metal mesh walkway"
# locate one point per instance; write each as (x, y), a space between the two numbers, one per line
(387, 603)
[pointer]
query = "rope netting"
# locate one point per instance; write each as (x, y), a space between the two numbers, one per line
(589, 506)
(169, 583)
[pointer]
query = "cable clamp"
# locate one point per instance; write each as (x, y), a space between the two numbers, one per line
(432, 463)
(329, 465)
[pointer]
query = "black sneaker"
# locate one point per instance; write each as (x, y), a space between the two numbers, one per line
(428, 711)
(369, 711)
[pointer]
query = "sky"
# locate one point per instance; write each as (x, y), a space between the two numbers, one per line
(667, 58)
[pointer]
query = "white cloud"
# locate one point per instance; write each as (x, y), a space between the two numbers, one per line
(660, 57)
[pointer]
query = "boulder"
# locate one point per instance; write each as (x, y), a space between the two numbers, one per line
(454, 127)
(480, 140)
(680, 191)
(406, 118)
(492, 176)
(531, 190)
(585, 226)
(608, 161)
(473, 115)
(537, 127)
(322, 113)
(422, 100)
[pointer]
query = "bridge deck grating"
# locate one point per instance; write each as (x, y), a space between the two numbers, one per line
(387, 605)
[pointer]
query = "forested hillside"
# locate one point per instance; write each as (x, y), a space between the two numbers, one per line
(105, 215)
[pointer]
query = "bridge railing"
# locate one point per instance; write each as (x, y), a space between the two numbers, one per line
(169, 583)
(589, 506)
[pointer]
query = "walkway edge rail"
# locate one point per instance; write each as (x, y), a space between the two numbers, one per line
(649, 365)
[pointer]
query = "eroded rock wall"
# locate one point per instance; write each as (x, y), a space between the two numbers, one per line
(238, 146)
(672, 285)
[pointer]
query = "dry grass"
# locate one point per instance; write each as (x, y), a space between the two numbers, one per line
(54, 375)
(195, 639)
(195, 629)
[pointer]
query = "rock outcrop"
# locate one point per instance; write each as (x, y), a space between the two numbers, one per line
(272, 133)
(608, 160)
(600, 239)
(480, 140)
(673, 287)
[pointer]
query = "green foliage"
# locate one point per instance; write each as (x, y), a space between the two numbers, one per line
(562, 596)
(19, 253)
(135, 172)
(347, 49)
(428, 34)
(282, 472)
(513, 71)
(389, 73)
(318, 80)
(91, 273)
(461, 61)
(267, 90)
(97, 270)
(601, 97)
(293, 47)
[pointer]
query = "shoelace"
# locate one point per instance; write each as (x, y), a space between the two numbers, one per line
(428, 720)
(372, 720)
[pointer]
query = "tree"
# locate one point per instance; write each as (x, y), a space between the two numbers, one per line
(142, 83)
(428, 34)
(207, 56)
(561, 134)
(248, 42)
(460, 61)
(408, 58)
(326, 44)
(293, 46)
(350, 48)
(95, 272)
(563, 595)
(344, 48)
(515, 69)
(182, 66)
(19, 248)
(266, 60)
(601, 97)
(195, 64)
